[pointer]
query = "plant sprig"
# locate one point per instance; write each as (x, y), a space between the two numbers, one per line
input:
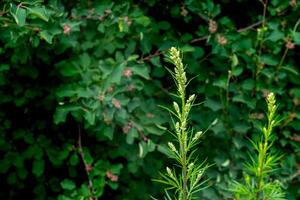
(257, 184)
(188, 181)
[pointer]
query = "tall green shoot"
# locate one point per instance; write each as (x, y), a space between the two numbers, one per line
(185, 176)
(257, 185)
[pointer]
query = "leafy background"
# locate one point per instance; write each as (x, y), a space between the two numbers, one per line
(81, 81)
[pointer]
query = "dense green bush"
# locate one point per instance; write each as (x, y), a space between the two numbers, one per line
(80, 82)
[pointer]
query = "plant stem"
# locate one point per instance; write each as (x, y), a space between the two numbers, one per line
(263, 147)
(282, 59)
(263, 26)
(183, 147)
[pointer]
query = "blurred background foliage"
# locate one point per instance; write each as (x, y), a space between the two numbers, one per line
(81, 81)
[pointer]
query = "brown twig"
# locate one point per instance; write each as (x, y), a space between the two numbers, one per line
(249, 27)
(87, 167)
(147, 58)
(199, 39)
(238, 30)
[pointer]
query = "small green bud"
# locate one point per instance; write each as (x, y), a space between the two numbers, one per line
(215, 122)
(271, 100)
(169, 171)
(177, 127)
(191, 98)
(197, 135)
(176, 107)
(199, 176)
(172, 147)
(191, 165)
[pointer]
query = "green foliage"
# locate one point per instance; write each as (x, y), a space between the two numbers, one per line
(262, 164)
(93, 70)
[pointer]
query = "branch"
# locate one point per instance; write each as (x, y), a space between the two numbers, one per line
(87, 167)
(249, 27)
(238, 30)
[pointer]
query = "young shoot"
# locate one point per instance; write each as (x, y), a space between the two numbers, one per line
(184, 178)
(257, 184)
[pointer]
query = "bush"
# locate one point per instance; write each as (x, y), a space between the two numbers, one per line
(81, 80)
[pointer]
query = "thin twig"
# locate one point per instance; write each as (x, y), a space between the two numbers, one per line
(147, 58)
(86, 166)
(249, 27)
(199, 39)
(238, 30)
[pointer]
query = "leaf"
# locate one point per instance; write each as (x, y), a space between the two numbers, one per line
(213, 104)
(68, 184)
(20, 16)
(108, 131)
(90, 117)
(74, 160)
(236, 71)
(39, 12)
(244, 99)
(38, 167)
(297, 38)
(143, 20)
(291, 70)
(61, 113)
(269, 60)
(141, 70)
(275, 36)
(69, 70)
(248, 84)
(85, 60)
(46, 35)
(4, 67)
(221, 82)
(131, 135)
(234, 60)
(117, 73)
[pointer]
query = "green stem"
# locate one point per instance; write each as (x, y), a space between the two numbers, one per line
(262, 155)
(282, 58)
(263, 26)
(183, 148)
